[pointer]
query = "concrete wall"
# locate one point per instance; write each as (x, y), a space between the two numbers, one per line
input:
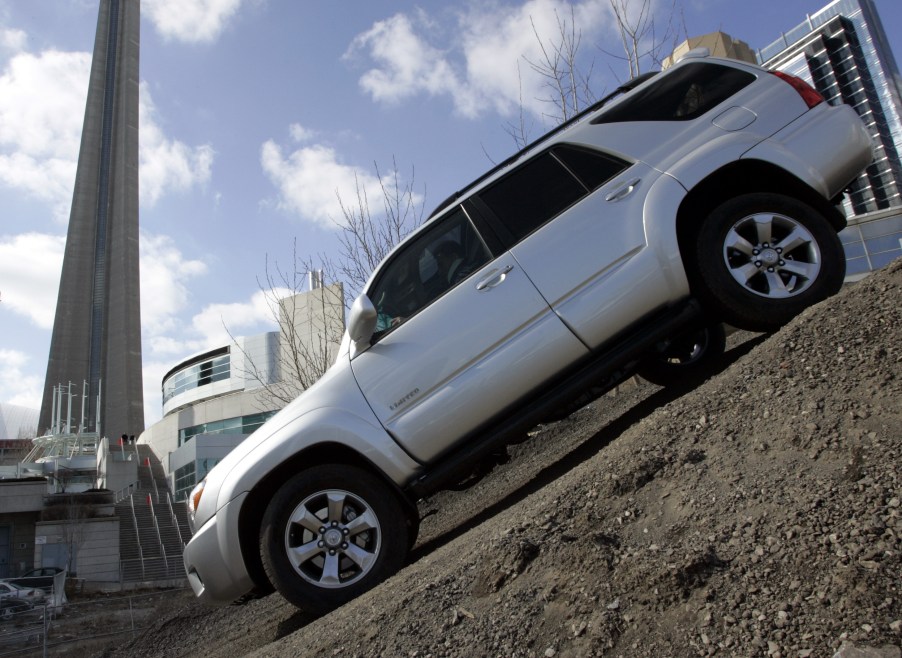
(118, 470)
(97, 550)
(22, 495)
(21, 543)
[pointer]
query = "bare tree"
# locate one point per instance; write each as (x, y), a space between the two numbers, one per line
(74, 530)
(311, 318)
(567, 76)
(569, 88)
(366, 236)
(642, 37)
(71, 512)
(557, 64)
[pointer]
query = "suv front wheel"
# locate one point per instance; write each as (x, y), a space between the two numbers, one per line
(329, 534)
(763, 258)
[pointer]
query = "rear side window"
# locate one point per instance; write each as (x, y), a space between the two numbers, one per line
(594, 169)
(685, 94)
(545, 186)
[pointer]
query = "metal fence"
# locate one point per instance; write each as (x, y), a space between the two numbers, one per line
(84, 626)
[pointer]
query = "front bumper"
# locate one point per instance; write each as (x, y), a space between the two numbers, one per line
(213, 560)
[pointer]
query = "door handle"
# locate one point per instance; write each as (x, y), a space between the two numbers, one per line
(494, 278)
(623, 191)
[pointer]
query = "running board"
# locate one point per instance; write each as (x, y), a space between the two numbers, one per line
(587, 381)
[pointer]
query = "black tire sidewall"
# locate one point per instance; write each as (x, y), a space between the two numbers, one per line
(659, 371)
(728, 299)
(380, 499)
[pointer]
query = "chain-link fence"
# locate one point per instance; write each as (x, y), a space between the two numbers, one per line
(85, 625)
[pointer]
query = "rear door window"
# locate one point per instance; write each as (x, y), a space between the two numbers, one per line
(545, 186)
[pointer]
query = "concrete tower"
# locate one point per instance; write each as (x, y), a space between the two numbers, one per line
(97, 330)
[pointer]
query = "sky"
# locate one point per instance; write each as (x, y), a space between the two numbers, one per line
(257, 116)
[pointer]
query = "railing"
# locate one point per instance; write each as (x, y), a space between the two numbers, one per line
(131, 500)
(156, 526)
(153, 481)
(125, 492)
(153, 568)
(175, 521)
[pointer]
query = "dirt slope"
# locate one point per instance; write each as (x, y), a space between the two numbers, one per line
(755, 515)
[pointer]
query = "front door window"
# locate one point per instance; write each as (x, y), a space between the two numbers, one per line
(426, 269)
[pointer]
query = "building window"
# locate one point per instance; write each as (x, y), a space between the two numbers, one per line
(185, 479)
(195, 375)
(237, 425)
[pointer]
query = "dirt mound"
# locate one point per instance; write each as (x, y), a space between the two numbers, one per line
(758, 514)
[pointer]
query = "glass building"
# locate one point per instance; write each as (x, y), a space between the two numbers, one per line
(842, 50)
(216, 398)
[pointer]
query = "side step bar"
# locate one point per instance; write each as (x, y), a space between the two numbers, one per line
(591, 378)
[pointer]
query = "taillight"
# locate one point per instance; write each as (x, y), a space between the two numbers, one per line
(808, 93)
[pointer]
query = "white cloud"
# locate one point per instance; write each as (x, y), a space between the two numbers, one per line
(30, 266)
(301, 134)
(39, 132)
(207, 329)
(407, 64)
(480, 60)
(192, 21)
(14, 40)
(167, 164)
(311, 179)
(152, 372)
(165, 277)
(17, 387)
(216, 321)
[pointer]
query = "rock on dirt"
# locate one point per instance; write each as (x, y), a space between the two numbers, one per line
(756, 514)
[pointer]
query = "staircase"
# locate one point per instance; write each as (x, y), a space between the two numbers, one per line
(152, 528)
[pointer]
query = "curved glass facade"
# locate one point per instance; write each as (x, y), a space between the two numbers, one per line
(212, 368)
(238, 425)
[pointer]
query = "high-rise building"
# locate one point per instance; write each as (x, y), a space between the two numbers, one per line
(842, 50)
(95, 350)
(719, 44)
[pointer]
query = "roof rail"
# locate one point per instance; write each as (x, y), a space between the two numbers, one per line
(625, 87)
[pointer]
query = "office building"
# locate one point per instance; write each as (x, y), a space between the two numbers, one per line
(719, 44)
(842, 50)
(214, 399)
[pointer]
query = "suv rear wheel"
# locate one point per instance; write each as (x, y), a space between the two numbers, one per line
(687, 357)
(763, 258)
(329, 534)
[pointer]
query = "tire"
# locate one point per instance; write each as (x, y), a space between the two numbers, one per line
(9, 609)
(331, 533)
(688, 357)
(761, 259)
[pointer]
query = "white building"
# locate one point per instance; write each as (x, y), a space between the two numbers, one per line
(214, 399)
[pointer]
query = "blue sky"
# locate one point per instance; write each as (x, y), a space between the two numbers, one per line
(254, 113)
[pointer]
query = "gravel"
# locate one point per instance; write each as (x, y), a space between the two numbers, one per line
(755, 514)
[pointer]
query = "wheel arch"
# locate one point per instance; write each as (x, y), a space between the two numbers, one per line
(735, 179)
(253, 509)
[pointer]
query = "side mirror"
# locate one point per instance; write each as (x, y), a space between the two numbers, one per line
(362, 321)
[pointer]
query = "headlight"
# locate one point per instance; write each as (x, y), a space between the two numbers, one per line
(194, 498)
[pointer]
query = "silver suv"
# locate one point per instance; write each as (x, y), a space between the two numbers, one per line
(701, 195)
